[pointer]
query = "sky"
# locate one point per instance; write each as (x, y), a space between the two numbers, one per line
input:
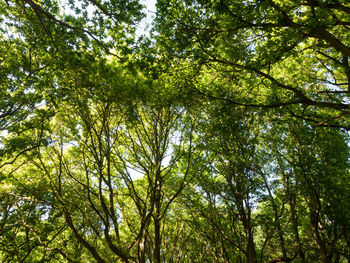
(150, 10)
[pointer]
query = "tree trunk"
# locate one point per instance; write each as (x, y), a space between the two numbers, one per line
(294, 219)
(251, 253)
(156, 218)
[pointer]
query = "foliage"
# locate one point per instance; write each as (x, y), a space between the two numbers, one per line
(221, 137)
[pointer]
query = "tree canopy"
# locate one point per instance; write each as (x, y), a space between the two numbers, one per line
(221, 135)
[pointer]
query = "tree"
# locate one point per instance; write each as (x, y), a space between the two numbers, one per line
(42, 40)
(221, 138)
(308, 171)
(95, 142)
(291, 54)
